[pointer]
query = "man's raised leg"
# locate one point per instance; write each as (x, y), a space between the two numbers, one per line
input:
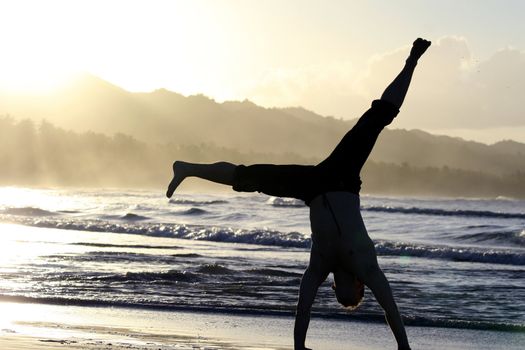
(395, 92)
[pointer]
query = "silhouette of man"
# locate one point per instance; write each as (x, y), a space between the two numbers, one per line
(340, 242)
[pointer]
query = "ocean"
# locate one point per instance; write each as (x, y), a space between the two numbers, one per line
(455, 263)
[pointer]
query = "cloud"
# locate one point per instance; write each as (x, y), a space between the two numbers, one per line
(328, 89)
(450, 89)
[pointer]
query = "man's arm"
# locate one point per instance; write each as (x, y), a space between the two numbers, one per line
(312, 279)
(375, 280)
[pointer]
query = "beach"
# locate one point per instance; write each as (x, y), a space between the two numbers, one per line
(39, 326)
(113, 269)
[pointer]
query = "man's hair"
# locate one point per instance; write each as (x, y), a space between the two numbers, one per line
(348, 303)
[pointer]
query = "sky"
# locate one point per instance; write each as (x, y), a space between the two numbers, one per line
(331, 57)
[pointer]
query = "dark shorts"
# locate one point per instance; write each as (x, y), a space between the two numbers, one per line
(338, 172)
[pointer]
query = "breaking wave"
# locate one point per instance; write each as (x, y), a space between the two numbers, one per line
(443, 212)
(286, 202)
(196, 202)
(448, 253)
(28, 211)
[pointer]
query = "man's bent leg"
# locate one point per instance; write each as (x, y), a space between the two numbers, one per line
(287, 180)
(274, 180)
(221, 172)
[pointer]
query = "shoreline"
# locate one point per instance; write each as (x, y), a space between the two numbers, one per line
(238, 312)
(38, 326)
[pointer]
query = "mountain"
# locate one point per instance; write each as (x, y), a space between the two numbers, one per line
(420, 148)
(509, 146)
(165, 117)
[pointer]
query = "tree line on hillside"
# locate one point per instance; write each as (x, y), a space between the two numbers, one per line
(41, 154)
(162, 116)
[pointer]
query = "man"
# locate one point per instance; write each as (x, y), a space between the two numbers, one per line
(340, 242)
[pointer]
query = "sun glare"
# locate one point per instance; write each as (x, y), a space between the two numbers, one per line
(26, 79)
(15, 197)
(8, 314)
(137, 45)
(35, 55)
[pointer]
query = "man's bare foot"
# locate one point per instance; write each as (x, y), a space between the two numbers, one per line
(418, 48)
(178, 176)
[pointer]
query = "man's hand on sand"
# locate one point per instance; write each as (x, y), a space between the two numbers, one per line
(418, 48)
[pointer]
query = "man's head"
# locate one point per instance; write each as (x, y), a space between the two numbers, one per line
(348, 289)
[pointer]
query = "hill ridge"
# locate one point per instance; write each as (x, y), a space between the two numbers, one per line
(163, 116)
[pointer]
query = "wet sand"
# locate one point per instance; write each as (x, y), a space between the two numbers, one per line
(37, 326)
